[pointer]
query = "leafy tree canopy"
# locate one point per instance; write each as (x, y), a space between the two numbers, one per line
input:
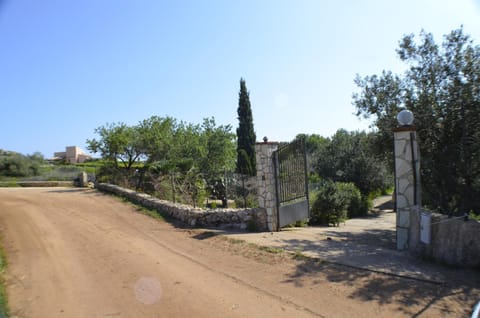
(442, 88)
(347, 157)
(118, 143)
(166, 146)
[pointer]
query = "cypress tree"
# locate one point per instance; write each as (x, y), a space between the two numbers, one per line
(246, 162)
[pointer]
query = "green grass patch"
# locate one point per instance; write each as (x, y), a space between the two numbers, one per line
(150, 212)
(298, 255)
(269, 249)
(235, 241)
(9, 184)
(473, 216)
(141, 209)
(3, 292)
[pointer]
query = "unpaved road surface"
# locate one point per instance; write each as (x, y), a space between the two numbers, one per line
(80, 253)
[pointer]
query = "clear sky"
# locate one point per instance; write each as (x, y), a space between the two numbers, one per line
(67, 67)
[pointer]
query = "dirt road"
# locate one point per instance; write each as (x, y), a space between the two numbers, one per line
(80, 253)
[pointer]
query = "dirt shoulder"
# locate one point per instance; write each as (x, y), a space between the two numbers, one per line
(80, 253)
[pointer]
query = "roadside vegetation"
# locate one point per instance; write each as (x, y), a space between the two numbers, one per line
(345, 176)
(146, 211)
(16, 165)
(16, 168)
(441, 87)
(182, 162)
(209, 165)
(3, 292)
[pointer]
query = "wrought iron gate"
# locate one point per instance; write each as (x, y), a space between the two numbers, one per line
(291, 183)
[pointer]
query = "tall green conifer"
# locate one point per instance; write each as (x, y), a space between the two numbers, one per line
(246, 162)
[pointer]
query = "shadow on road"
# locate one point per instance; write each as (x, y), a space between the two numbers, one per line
(369, 249)
(388, 205)
(384, 238)
(414, 296)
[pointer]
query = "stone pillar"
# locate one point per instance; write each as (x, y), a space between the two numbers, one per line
(266, 181)
(83, 179)
(407, 180)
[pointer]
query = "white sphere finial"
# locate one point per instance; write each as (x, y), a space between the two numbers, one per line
(405, 118)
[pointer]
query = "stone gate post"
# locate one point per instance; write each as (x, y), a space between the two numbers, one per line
(407, 175)
(266, 181)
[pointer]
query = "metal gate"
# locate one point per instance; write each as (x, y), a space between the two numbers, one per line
(291, 183)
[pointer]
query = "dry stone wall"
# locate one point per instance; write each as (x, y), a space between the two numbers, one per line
(454, 241)
(252, 219)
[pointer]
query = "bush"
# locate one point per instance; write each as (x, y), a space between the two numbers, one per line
(357, 205)
(335, 201)
(17, 165)
(251, 201)
(329, 207)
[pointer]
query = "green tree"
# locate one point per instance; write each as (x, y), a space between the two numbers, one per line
(348, 158)
(119, 144)
(441, 87)
(219, 144)
(314, 146)
(246, 162)
(218, 156)
(157, 137)
(175, 160)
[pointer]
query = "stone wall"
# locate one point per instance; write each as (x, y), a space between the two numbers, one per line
(253, 219)
(453, 241)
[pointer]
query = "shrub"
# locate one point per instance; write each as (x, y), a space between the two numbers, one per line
(335, 201)
(329, 207)
(357, 205)
(251, 201)
(253, 224)
(18, 165)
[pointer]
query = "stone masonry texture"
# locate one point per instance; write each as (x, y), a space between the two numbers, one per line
(219, 218)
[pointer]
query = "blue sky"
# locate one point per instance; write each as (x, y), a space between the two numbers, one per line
(67, 67)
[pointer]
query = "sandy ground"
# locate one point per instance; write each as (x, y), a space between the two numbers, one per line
(79, 253)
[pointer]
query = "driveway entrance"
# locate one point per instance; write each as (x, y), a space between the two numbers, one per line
(367, 243)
